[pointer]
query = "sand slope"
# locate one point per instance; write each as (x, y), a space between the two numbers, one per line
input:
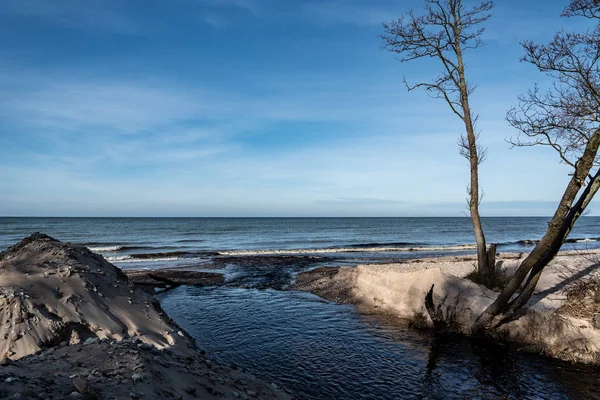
(52, 292)
(74, 326)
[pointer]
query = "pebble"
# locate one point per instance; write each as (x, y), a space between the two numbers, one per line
(137, 377)
(75, 395)
(11, 379)
(236, 394)
(161, 361)
(81, 385)
(145, 346)
(91, 340)
(274, 385)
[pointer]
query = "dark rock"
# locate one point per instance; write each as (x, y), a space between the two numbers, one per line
(81, 385)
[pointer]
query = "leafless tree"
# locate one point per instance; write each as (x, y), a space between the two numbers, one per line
(443, 33)
(567, 119)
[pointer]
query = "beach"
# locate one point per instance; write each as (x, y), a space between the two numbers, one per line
(264, 320)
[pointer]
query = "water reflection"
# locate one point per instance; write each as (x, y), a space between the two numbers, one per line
(321, 350)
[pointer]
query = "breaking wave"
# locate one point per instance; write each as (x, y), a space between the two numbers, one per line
(97, 249)
(533, 242)
(117, 248)
(164, 256)
(354, 249)
(128, 259)
(583, 240)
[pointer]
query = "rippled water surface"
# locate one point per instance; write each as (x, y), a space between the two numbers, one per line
(321, 350)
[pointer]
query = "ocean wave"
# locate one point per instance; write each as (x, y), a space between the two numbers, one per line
(582, 240)
(525, 242)
(122, 248)
(349, 250)
(533, 242)
(392, 244)
(179, 254)
(129, 259)
(97, 249)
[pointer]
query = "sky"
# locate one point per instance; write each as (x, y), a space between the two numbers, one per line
(255, 108)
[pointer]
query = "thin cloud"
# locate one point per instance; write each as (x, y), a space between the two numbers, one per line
(89, 14)
(362, 14)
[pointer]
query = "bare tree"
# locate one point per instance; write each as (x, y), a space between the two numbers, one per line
(444, 32)
(567, 119)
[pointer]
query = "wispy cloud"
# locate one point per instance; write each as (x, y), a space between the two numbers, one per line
(348, 12)
(216, 21)
(105, 15)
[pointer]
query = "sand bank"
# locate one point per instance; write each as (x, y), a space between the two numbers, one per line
(548, 326)
(73, 325)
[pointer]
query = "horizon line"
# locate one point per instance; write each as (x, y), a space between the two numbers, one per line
(278, 217)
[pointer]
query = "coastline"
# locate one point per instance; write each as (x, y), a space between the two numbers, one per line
(554, 323)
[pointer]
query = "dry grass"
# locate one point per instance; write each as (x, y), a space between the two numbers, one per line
(581, 298)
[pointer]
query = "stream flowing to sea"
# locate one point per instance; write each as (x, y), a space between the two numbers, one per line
(317, 349)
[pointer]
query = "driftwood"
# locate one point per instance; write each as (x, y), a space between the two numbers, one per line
(439, 325)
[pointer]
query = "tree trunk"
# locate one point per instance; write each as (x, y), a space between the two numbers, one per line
(483, 268)
(558, 229)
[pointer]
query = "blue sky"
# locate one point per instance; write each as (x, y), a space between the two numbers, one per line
(253, 108)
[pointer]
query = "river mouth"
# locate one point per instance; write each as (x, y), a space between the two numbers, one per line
(321, 350)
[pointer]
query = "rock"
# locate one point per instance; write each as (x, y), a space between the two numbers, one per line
(82, 385)
(91, 340)
(137, 377)
(251, 393)
(274, 385)
(4, 361)
(145, 346)
(180, 333)
(75, 395)
(11, 379)
(190, 390)
(235, 394)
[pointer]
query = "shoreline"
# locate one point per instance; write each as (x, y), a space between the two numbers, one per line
(555, 323)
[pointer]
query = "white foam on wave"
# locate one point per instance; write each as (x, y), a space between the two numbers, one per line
(129, 259)
(349, 250)
(586, 240)
(99, 249)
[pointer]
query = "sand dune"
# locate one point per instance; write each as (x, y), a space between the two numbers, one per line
(72, 324)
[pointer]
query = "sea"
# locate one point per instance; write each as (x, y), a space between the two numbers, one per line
(313, 347)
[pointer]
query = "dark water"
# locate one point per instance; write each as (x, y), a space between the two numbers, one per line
(317, 349)
(320, 350)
